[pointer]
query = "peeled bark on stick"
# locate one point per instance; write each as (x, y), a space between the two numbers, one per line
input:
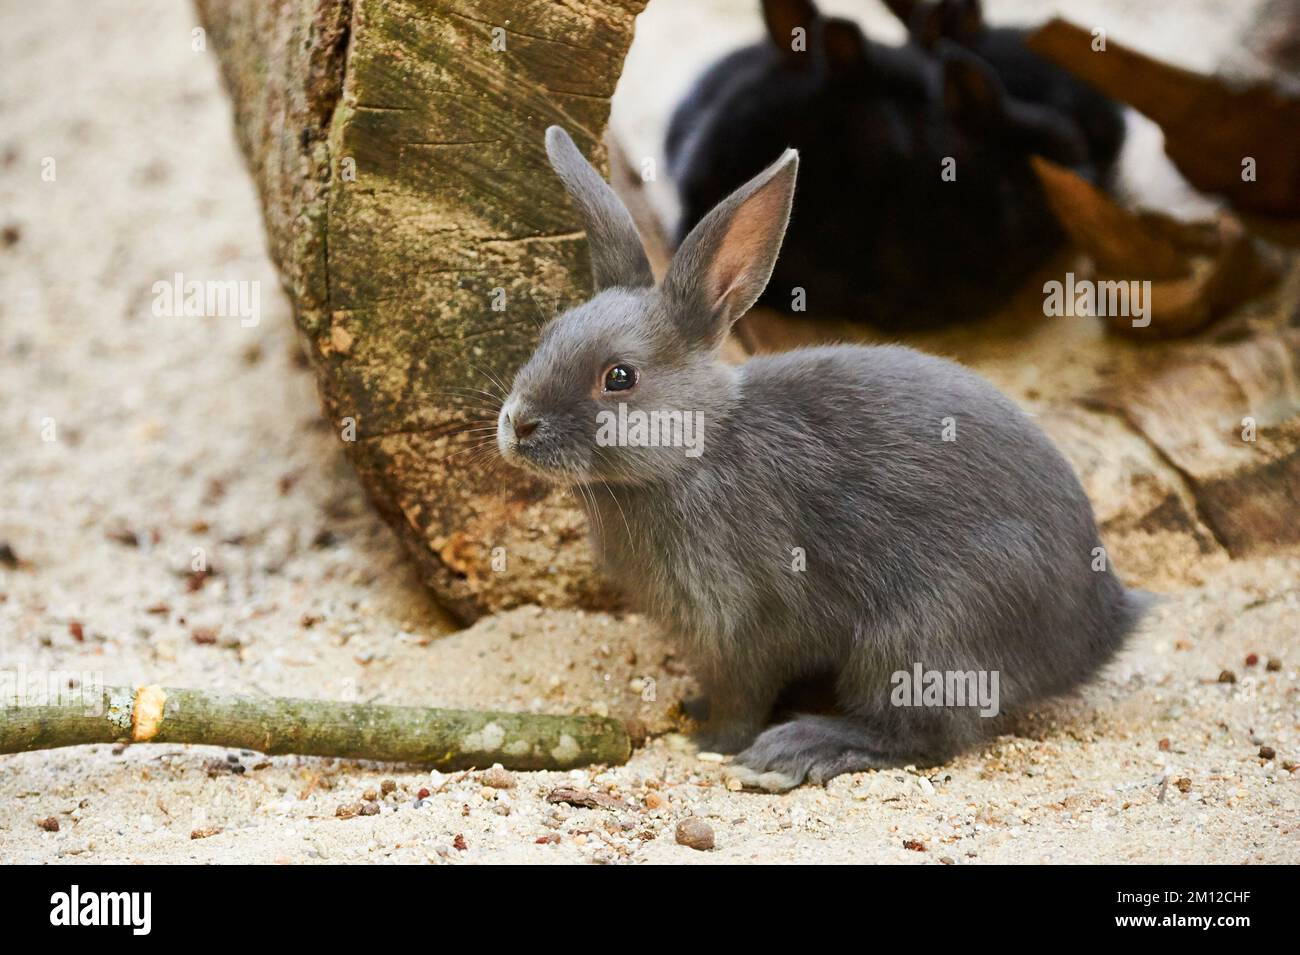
(446, 739)
(397, 149)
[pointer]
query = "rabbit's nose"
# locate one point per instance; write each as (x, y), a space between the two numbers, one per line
(522, 426)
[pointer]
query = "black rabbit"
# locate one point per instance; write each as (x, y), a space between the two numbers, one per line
(917, 206)
(1025, 74)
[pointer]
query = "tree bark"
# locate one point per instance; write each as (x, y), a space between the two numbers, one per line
(397, 148)
(447, 739)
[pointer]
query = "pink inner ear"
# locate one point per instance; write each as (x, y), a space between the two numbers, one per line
(742, 254)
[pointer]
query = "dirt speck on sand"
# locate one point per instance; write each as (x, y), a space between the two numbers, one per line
(150, 537)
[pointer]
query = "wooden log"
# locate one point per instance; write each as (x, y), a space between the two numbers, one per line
(1227, 418)
(397, 149)
(447, 739)
(1198, 271)
(1212, 126)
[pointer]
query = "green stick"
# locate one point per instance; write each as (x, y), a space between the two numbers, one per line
(447, 739)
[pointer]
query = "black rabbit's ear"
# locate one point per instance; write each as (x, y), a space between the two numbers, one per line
(844, 45)
(961, 21)
(902, 9)
(925, 24)
(724, 264)
(972, 95)
(617, 256)
(967, 20)
(790, 26)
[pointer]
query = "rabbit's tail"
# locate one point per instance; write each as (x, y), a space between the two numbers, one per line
(1126, 615)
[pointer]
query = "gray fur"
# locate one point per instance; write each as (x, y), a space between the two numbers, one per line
(973, 554)
(617, 256)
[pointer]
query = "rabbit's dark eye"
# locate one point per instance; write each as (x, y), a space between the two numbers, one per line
(620, 378)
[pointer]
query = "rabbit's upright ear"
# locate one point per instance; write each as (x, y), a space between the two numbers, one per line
(902, 10)
(961, 21)
(724, 264)
(783, 18)
(967, 20)
(844, 45)
(617, 256)
(972, 95)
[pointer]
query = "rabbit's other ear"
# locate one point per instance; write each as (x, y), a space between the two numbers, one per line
(783, 17)
(617, 256)
(724, 264)
(903, 10)
(961, 21)
(966, 20)
(972, 95)
(925, 24)
(843, 44)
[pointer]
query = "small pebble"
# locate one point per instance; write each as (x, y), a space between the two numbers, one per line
(459, 842)
(498, 778)
(388, 786)
(1183, 784)
(695, 833)
(1227, 676)
(348, 810)
(204, 832)
(1267, 752)
(1252, 659)
(654, 801)
(369, 809)
(422, 794)
(370, 795)
(1273, 665)
(914, 845)
(49, 824)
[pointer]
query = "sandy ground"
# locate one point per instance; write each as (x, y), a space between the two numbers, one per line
(171, 434)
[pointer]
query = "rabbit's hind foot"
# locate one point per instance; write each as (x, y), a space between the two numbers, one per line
(812, 748)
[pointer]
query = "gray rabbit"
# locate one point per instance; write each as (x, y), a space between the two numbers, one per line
(840, 513)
